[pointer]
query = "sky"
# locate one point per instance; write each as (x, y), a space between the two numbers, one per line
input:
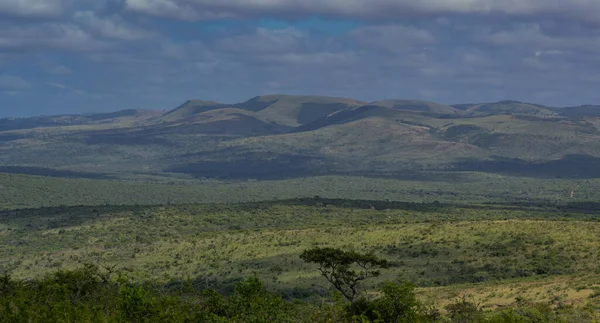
(82, 56)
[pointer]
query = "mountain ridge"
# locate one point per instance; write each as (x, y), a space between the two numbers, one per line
(298, 135)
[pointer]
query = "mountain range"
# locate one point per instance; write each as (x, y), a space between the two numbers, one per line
(281, 136)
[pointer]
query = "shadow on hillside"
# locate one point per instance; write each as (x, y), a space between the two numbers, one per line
(41, 171)
(267, 168)
(131, 139)
(6, 137)
(259, 166)
(571, 166)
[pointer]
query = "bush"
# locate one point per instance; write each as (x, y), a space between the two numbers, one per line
(398, 303)
(463, 311)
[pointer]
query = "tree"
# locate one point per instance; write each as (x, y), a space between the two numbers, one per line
(345, 270)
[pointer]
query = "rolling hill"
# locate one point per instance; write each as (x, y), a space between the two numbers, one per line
(421, 106)
(508, 108)
(123, 117)
(281, 136)
(188, 109)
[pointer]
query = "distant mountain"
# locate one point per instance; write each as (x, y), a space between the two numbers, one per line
(123, 116)
(580, 111)
(294, 111)
(276, 136)
(420, 106)
(269, 114)
(507, 108)
(226, 121)
(189, 108)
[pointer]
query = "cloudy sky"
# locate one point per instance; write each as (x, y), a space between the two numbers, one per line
(65, 56)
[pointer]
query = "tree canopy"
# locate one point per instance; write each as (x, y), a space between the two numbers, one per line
(345, 270)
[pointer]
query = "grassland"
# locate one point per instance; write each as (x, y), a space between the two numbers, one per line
(438, 247)
(27, 191)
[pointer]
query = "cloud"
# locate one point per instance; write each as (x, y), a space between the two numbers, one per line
(48, 36)
(170, 9)
(10, 83)
(449, 51)
(391, 38)
(362, 9)
(111, 27)
(540, 40)
(33, 8)
(58, 70)
(263, 41)
(65, 87)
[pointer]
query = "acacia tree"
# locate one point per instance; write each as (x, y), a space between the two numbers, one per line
(345, 270)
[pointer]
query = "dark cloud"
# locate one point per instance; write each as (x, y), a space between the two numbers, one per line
(361, 9)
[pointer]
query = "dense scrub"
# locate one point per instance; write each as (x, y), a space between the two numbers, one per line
(89, 294)
(429, 244)
(84, 188)
(492, 263)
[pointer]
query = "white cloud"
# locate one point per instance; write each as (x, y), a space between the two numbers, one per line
(318, 58)
(59, 70)
(172, 9)
(10, 83)
(391, 38)
(48, 36)
(33, 8)
(263, 41)
(65, 87)
(534, 36)
(547, 52)
(111, 27)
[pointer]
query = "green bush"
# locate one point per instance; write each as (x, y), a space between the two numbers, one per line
(398, 303)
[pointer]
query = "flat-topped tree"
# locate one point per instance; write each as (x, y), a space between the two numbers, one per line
(345, 269)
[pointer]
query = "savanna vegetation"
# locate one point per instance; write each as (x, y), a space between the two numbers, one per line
(256, 262)
(69, 189)
(302, 209)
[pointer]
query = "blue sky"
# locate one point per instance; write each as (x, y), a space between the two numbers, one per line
(79, 56)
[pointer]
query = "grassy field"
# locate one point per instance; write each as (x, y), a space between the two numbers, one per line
(490, 253)
(26, 191)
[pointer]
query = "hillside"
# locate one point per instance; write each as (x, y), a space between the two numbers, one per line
(293, 111)
(421, 106)
(124, 117)
(508, 108)
(188, 109)
(284, 136)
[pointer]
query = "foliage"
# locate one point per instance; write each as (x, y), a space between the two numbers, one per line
(463, 311)
(398, 303)
(50, 300)
(336, 266)
(497, 252)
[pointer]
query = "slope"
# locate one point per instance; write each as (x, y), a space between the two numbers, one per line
(187, 109)
(296, 110)
(225, 121)
(128, 116)
(509, 108)
(367, 144)
(418, 106)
